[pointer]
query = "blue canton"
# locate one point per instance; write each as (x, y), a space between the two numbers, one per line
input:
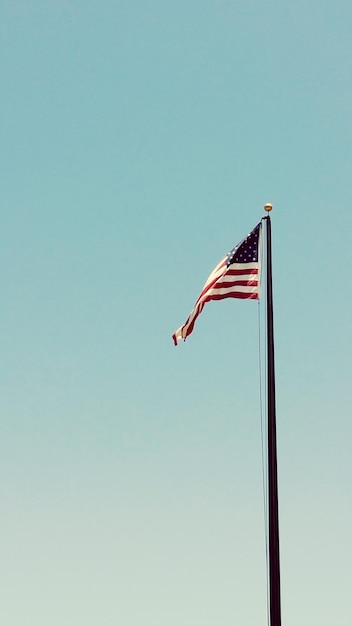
(247, 250)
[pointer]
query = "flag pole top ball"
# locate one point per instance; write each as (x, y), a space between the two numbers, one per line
(268, 207)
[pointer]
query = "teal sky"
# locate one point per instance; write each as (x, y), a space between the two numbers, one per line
(139, 143)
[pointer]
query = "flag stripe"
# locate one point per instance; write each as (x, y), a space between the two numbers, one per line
(241, 272)
(250, 295)
(239, 283)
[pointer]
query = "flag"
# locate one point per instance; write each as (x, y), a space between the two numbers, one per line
(236, 276)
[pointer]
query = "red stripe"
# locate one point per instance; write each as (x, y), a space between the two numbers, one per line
(239, 283)
(233, 272)
(233, 294)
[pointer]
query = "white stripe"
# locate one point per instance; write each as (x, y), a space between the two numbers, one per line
(233, 279)
(243, 266)
(232, 289)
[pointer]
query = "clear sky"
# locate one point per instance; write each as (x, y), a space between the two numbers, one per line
(139, 143)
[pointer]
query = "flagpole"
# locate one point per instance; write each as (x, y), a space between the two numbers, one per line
(274, 552)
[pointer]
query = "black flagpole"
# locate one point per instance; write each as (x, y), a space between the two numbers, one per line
(274, 552)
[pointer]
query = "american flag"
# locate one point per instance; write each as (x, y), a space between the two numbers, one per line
(236, 276)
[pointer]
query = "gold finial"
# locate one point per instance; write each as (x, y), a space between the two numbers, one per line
(268, 207)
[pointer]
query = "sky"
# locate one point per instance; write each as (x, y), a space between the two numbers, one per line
(139, 143)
